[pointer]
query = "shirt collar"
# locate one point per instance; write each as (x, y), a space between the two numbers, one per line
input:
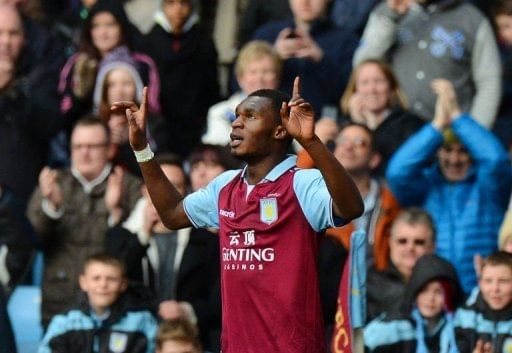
(162, 20)
(278, 170)
(89, 185)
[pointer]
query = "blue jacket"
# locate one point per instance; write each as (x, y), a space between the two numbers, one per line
(398, 334)
(468, 213)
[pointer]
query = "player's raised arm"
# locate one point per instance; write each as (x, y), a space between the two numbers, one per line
(299, 120)
(165, 197)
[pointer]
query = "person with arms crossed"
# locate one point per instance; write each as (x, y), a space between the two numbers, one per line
(269, 217)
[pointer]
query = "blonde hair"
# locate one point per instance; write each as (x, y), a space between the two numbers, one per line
(397, 98)
(256, 50)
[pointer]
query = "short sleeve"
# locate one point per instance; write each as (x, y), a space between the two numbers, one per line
(314, 199)
(201, 206)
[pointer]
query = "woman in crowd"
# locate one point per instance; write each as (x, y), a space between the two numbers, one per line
(106, 33)
(258, 66)
(119, 80)
(374, 98)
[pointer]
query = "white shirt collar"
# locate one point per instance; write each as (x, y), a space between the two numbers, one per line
(89, 185)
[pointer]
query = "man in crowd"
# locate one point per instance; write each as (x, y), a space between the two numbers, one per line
(71, 209)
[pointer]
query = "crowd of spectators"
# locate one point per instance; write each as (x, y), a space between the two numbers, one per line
(413, 98)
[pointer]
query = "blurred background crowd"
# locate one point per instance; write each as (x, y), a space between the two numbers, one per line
(413, 97)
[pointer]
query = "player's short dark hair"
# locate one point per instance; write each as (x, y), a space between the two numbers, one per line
(276, 97)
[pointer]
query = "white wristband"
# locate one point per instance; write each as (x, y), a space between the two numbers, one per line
(144, 155)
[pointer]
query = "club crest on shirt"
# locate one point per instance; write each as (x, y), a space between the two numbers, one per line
(117, 342)
(268, 210)
(507, 346)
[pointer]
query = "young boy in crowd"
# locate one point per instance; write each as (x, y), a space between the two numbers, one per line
(485, 325)
(177, 336)
(424, 323)
(107, 320)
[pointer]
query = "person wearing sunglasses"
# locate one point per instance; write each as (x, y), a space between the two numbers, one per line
(460, 173)
(412, 236)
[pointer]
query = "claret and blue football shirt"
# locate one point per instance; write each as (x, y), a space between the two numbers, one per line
(269, 236)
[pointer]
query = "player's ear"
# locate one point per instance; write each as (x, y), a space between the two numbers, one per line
(280, 132)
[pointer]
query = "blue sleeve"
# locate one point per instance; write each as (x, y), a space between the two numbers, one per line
(201, 206)
(406, 169)
(379, 333)
(55, 339)
(314, 199)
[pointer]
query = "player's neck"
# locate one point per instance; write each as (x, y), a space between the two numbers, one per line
(257, 170)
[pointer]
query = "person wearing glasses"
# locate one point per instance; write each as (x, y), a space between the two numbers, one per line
(355, 150)
(466, 189)
(412, 236)
(71, 210)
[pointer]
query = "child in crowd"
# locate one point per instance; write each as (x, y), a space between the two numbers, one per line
(177, 336)
(485, 325)
(108, 320)
(424, 323)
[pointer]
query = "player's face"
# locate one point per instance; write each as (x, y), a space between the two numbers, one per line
(430, 300)
(105, 32)
(496, 286)
(103, 284)
(454, 161)
(253, 130)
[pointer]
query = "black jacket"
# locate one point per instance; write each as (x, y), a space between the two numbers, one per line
(29, 117)
(478, 321)
(188, 73)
